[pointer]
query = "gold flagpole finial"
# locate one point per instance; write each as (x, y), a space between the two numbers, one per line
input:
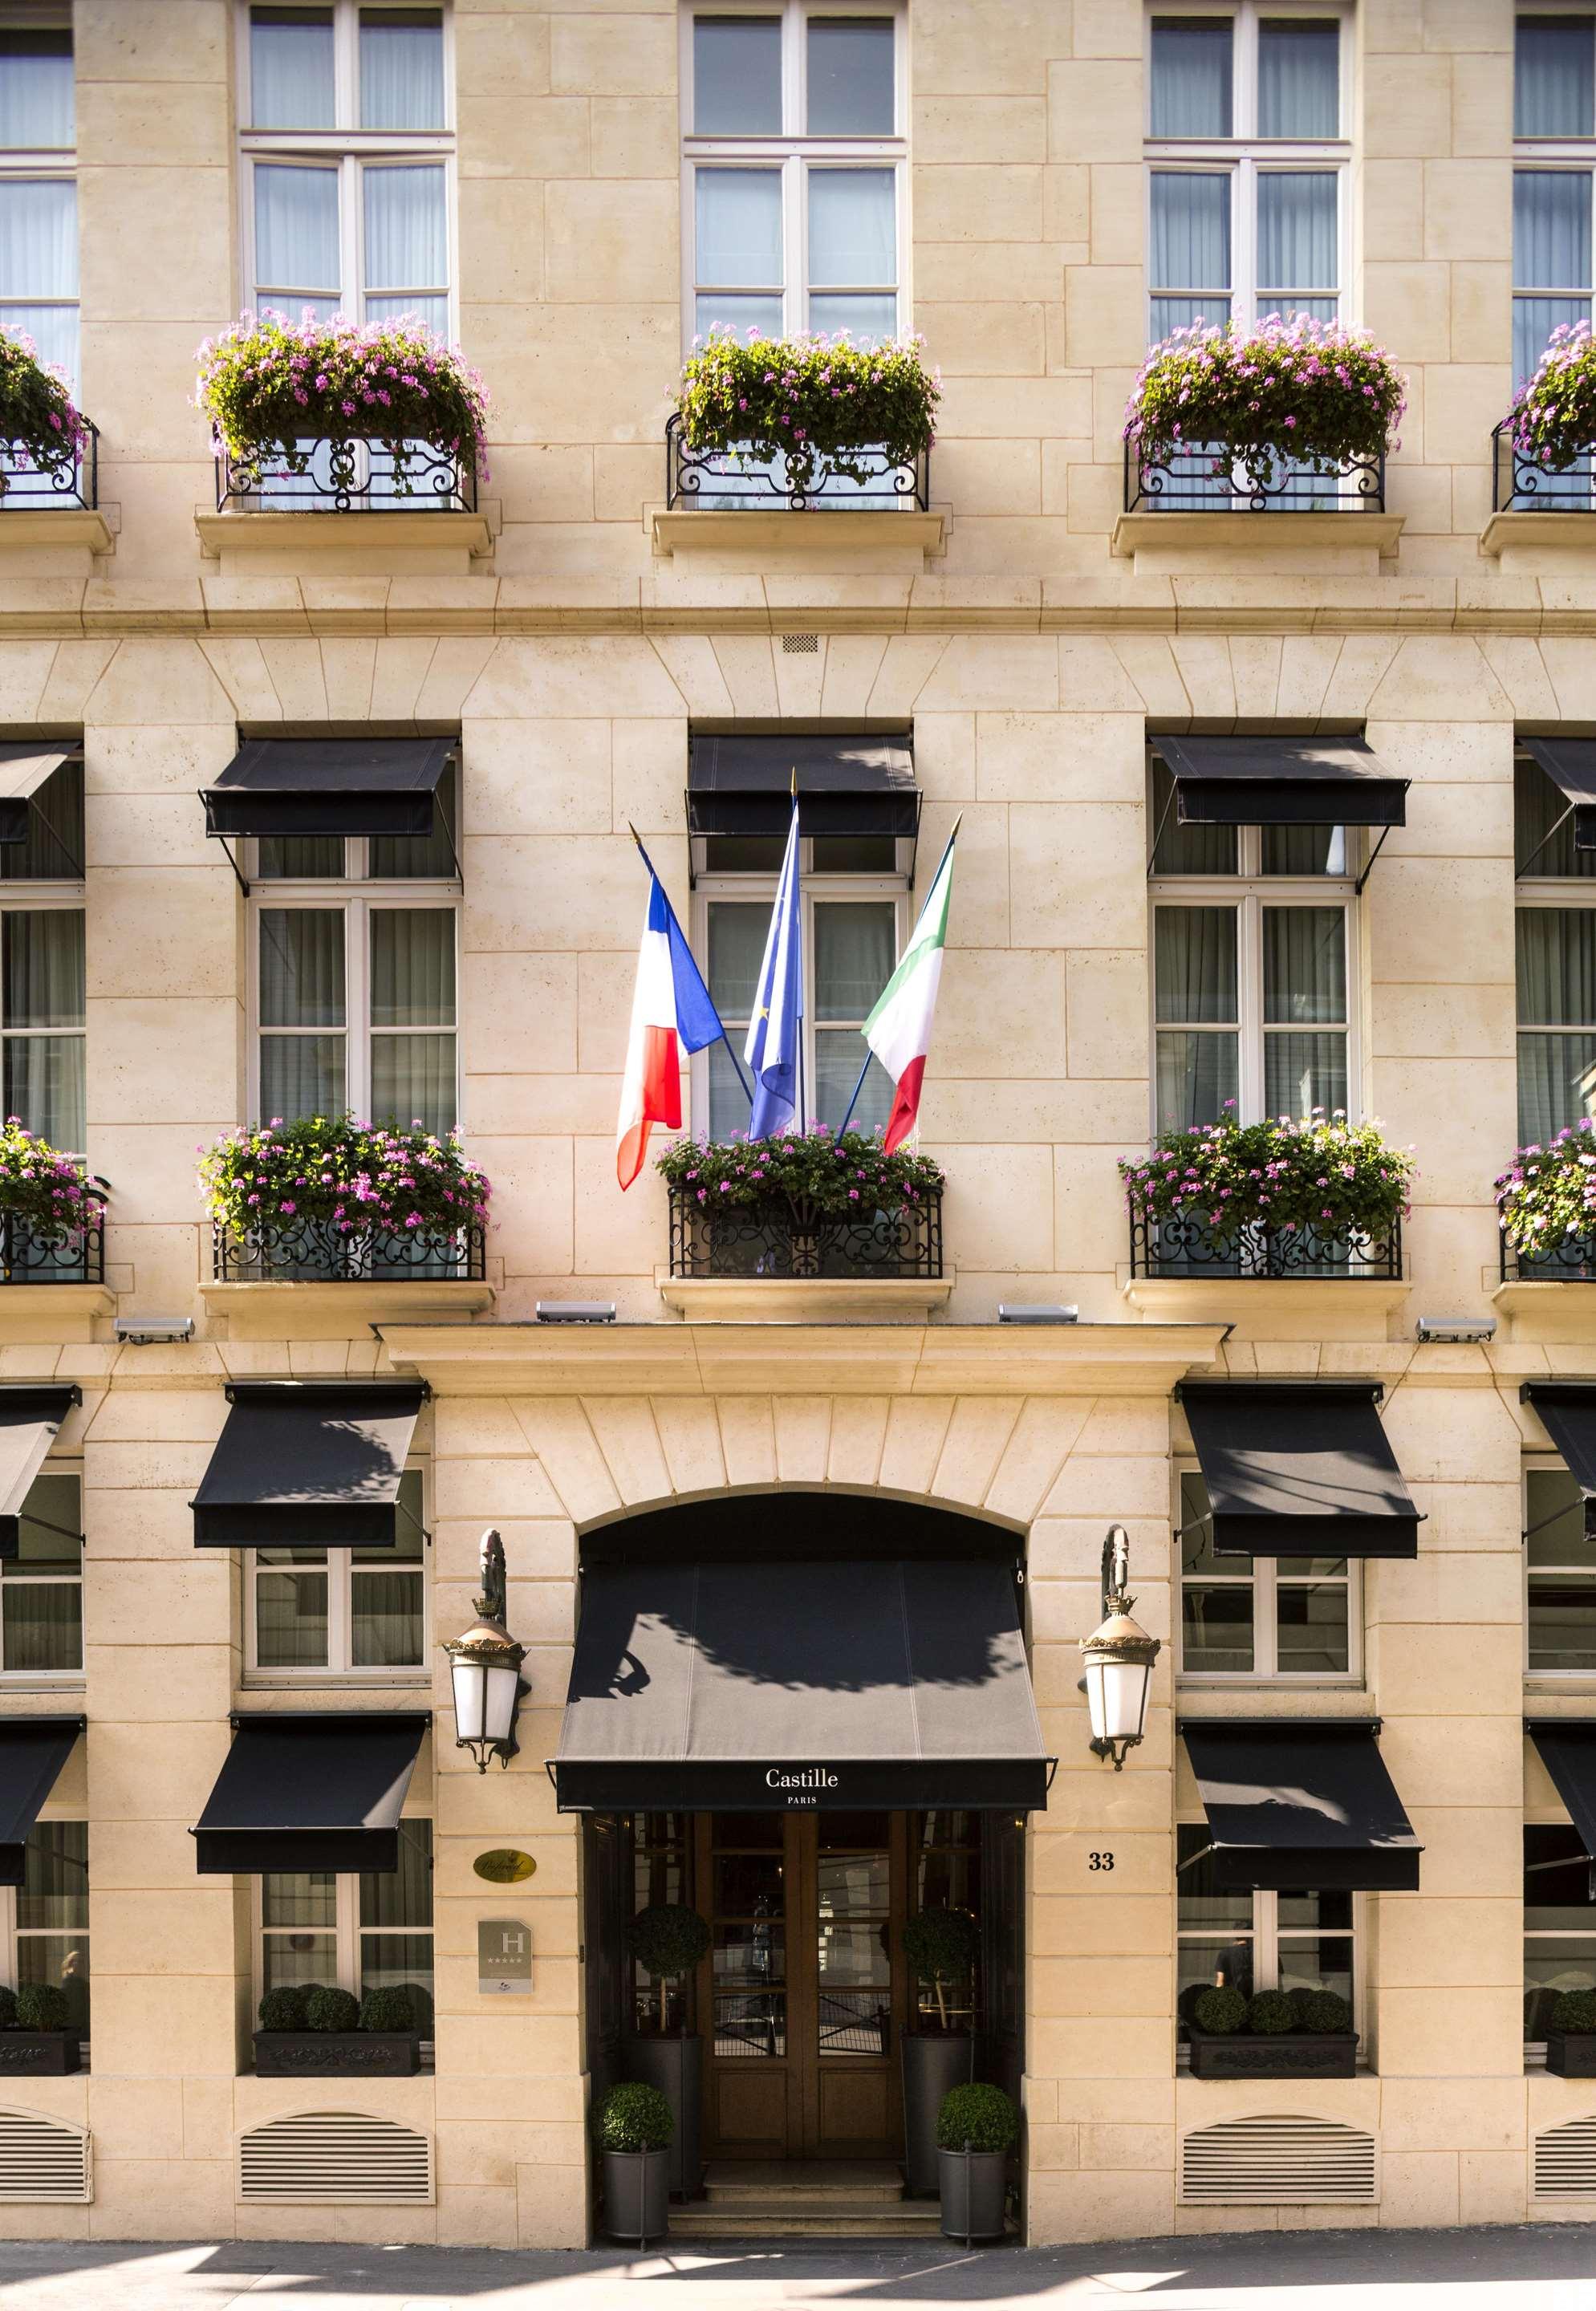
(794, 787)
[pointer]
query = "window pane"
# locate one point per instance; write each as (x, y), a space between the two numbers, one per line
(413, 967)
(54, 1544)
(1324, 1912)
(406, 228)
(1202, 1902)
(850, 854)
(298, 1960)
(402, 1897)
(1298, 78)
(401, 68)
(291, 1620)
(1195, 963)
(1297, 234)
(1304, 964)
(1556, 1880)
(1304, 850)
(1191, 76)
(63, 1959)
(290, 68)
(855, 951)
(739, 214)
(1167, 314)
(44, 1626)
(1186, 849)
(719, 309)
(296, 230)
(43, 968)
(1555, 1520)
(838, 1059)
(431, 312)
(737, 76)
(301, 1076)
(1322, 1962)
(37, 237)
(736, 947)
(301, 967)
(1196, 1078)
(283, 857)
(52, 850)
(54, 330)
(868, 320)
(1311, 1629)
(44, 1086)
(1556, 966)
(1190, 248)
(385, 1620)
(852, 228)
(299, 1897)
(1554, 76)
(1302, 1072)
(402, 1962)
(1208, 1962)
(1533, 320)
(36, 92)
(850, 76)
(398, 855)
(1551, 1968)
(728, 1102)
(1216, 1629)
(54, 1894)
(1551, 228)
(408, 1529)
(1556, 1083)
(413, 1081)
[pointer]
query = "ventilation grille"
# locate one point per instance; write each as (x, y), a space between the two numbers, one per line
(800, 645)
(1566, 2161)
(1251, 2162)
(42, 2159)
(335, 2158)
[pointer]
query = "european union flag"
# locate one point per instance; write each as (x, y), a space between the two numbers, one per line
(776, 1029)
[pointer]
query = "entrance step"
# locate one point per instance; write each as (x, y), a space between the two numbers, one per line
(805, 2199)
(784, 2219)
(846, 2181)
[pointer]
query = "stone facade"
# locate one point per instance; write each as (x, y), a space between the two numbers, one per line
(1031, 655)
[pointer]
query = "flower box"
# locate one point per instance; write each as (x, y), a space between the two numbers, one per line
(52, 1216)
(1546, 1209)
(800, 423)
(330, 1199)
(803, 1205)
(40, 2053)
(1571, 2054)
(337, 2054)
(317, 1251)
(48, 447)
(1282, 2054)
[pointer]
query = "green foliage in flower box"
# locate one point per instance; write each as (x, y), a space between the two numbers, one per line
(1324, 1174)
(839, 1179)
(357, 1177)
(812, 400)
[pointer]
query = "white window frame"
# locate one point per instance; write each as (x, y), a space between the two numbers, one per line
(20, 898)
(344, 150)
(1566, 895)
(1560, 155)
(1244, 156)
(796, 155)
(760, 890)
(346, 1927)
(1261, 1574)
(27, 1679)
(1267, 1936)
(29, 163)
(11, 1933)
(339, 1667)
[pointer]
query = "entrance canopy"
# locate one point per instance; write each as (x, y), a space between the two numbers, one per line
(1229, 781)
(1301, 1803)
(30, 1422)
(1299, 1469)
(329, 786)
(32, 1752)
(310, 1793)
(307, 1464)
(755, 1686)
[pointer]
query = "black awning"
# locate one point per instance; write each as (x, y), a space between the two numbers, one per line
(756, 1685)
(32, 1752)
(1570, 763)
(310, 1793)
(307, 1464)
(1567, 1747)
(846, 785)
(329, 786)
(1567, 1410)
(1301, 1803)
(30, 1422)
(24, 770)
(1299, 1469)
(1282, 783)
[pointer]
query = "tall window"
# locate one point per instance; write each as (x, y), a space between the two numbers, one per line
(42, 1587)
(1559, 1575)
(352, 1932)
(1555, 937)
(45, 1920)
(1251, 1942)
(1263, 1617)
(39, 285)
(1251, 969)
(1553, 124)
(795, 164)
(1248, 159)
(853, 924)
(348, 161)
(1559, 1921)
(354, 975)
(343, 1608)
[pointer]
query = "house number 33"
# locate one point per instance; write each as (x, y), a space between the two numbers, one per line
(1101, 1861)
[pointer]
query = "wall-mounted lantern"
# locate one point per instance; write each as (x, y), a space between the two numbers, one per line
(1119, 1657)
(485, 1668)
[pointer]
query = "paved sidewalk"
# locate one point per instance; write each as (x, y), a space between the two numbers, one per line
(1546, 2268)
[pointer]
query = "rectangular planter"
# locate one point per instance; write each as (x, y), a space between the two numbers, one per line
(39, 2053)
(1290, 2054)
(1571, 2054)
(335, 2054)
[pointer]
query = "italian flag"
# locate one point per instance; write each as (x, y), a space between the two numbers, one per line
(899, 1029)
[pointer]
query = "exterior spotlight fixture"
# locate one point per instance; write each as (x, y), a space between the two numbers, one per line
(484, 1666)
(576, 1312)
(1118, 1659)
(1472, 1331)
(145, 1332)
(1036, 1311)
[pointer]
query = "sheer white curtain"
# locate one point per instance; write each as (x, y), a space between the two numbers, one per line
(1556, 990)
(39, 265)
(1189, 250)
(735, 949)
(37, 108)
(1551, 257)
(43, 996)
(290, 71)
(1297, 242)
(413, 987)
(855, 951)
(401, 68)
(1195, 987)
(1553, 80)
(1191, 76)
(1298, 78)
(1305, 999)
(305, 1072)
(406, 225)
(853, 239)
(737, 240)
(297, 260)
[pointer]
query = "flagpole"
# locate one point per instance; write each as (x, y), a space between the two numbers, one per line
(863, 1071)
(665, 895)
(798, 874)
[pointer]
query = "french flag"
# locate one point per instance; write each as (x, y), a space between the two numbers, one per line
(670, 1007)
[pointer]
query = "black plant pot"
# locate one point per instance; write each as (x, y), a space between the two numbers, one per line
(932, 2066)
(675, 2064)
(636, 2195)
(337, 2054)
(39, 2053)
(974, 2188)
(1569, 2054)
(1284, 2054)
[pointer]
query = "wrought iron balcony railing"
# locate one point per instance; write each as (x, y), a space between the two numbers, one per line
(1202, 480)
(725, 481)
(1523, 484)
(35, 479)
(318, 1252)
(1570, 1260)
(1187, 1248)
(355, 476)
(43, 1251)
(793, 1238)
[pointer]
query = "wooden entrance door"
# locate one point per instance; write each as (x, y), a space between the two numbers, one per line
(802, 1998)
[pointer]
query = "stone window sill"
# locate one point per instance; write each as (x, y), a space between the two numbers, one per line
(331, 533)
(1508, 533)
(756, 532)
(338, 1312)
(29, 527)
(1187, 539)
(1273, 1307)
(335, 1681)
(1554, 1314)
(803, 1300)
(33, 1313)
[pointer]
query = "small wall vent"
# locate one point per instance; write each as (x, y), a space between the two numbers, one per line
(42, 2159)
(1251, 2162)
(1566, 2161)
(800, 645)
(336, 2157)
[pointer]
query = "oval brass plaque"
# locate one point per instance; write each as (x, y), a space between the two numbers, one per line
(504, 1866)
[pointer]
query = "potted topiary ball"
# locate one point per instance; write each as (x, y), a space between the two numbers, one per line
(36, 2040)
(977, 2127)
(668, 1940)
(1571, 2035)
(633, 2127)
(321, 2031)
(1276, 2034)
(387, 2024)
(943, 1947)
